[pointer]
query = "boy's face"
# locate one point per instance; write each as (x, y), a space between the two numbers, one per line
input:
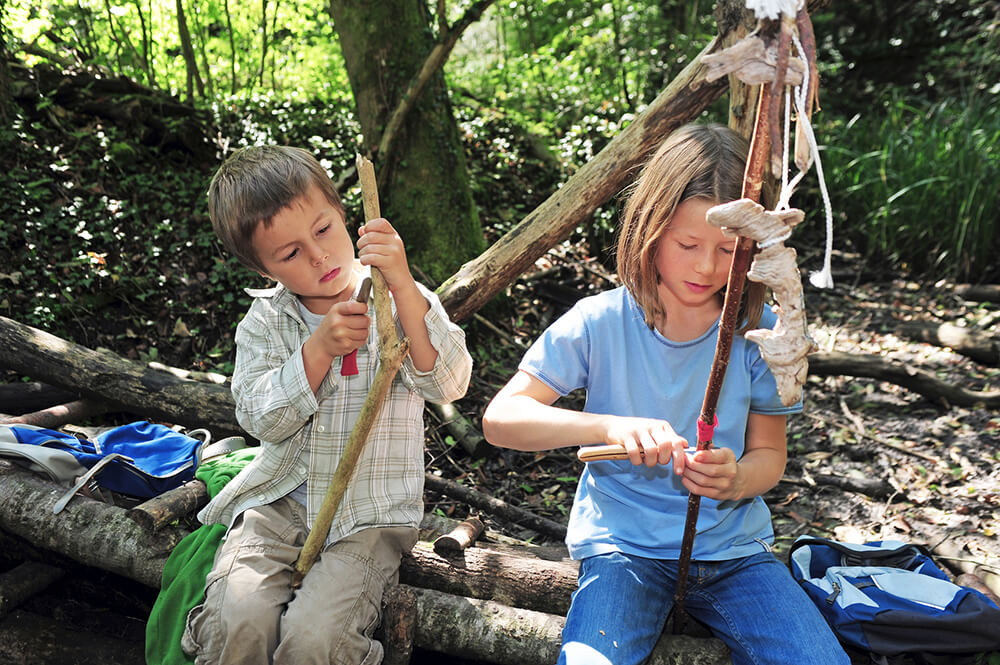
(308, 249)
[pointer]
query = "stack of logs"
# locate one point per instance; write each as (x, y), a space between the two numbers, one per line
(494, 600)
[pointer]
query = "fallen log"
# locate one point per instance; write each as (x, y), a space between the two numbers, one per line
(89, 532)
(496, 633)
(20, 398)
(125, 385)
(836, 363)
(24, 581)
(516, 577)
(979, 292)
(102, 536)
(973, 344)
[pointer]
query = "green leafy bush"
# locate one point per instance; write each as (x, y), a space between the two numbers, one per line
(915, 185)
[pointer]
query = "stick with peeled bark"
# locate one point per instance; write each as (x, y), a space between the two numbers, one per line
(392, 351)
(752, 184)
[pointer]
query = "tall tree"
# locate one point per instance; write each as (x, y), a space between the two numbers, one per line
(193, 77)
(424, 183)
(4, 72)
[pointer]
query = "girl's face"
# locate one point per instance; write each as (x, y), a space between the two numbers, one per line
(692, 260)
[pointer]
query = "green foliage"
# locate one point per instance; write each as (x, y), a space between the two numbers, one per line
(915, 184)
(551, 64)
(289, 46)
(106, 240)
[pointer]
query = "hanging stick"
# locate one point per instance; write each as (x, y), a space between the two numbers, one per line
(391, 353)
(753, 179)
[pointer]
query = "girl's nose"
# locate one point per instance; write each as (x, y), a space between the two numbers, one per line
(705, 263)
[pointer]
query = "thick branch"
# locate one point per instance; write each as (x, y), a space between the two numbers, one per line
(596, 182)
(979, 346)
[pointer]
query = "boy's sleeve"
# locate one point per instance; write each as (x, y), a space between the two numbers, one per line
(449, 378)
(272, 393)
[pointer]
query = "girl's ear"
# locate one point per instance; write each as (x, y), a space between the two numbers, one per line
(266, 276)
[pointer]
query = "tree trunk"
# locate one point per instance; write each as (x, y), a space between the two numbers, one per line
(122, 383)
(193, 76)
(426, 195)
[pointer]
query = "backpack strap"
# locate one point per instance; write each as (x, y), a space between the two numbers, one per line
(84, 479)
(220, 447)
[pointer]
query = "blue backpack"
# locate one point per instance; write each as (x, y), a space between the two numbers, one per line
(140, 459)
(890, 598)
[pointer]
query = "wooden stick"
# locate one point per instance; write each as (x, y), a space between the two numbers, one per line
(752, 185)
(168, 507)
(392, 351)
(459, 538)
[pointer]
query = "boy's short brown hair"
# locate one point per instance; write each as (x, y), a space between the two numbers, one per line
(256, 183)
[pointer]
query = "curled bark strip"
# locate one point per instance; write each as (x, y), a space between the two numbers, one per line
(785, 347)
(753, 62)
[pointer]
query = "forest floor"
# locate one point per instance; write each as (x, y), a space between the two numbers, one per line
(868, 460)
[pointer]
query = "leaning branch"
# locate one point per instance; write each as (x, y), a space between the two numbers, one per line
(435, 61)
(596, 182)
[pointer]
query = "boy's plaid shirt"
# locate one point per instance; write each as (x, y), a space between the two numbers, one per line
(303, 435)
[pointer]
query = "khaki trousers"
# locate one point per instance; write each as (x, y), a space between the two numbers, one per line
(251, 616)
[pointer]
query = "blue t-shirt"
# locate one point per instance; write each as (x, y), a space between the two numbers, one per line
(603, 345)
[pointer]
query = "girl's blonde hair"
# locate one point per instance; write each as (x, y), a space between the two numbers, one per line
(696, 161)
(254, 185)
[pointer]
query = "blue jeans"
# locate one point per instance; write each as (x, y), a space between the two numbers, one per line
(752, 604)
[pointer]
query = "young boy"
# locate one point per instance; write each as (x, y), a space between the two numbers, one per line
(297, 390)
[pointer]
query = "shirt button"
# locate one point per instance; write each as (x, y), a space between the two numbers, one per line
(321, 428)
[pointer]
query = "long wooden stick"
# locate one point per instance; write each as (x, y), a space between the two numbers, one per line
(392, 351)
(752, 184)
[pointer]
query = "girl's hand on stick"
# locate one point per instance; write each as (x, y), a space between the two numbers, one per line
(713, 473)
(648, 441)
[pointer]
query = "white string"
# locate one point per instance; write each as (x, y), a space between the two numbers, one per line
(824, 278)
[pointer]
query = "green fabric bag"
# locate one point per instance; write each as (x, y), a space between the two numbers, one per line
(183, 584)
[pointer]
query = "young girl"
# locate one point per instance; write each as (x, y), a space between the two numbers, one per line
(643, 353)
